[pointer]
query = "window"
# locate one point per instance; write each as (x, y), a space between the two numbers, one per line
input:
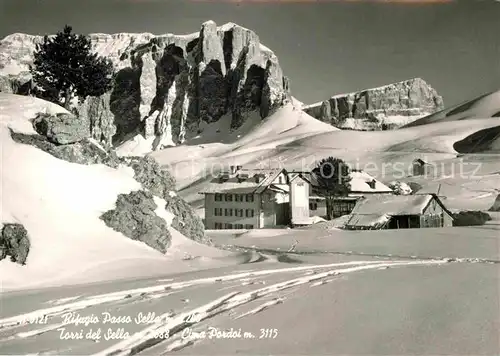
(218, 226)
(280, 180)
(239, 226)
(228, 212)
(218, 197)
(248, 226)
(216, 212)
(237, 197)
(249, 198)
(313, 205)
(249, 213)
(238, 212)
(228, 226)
(229, 197)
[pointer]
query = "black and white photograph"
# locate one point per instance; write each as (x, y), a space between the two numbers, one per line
(249, 177)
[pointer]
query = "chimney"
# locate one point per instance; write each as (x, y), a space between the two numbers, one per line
(239, 168)
(232, 169)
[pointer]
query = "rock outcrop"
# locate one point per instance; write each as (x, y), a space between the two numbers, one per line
(186, 220)
(162, 184)
(382, 108)
(151, 176)
(86, 151)
(14, 242)
(97, 113)
(61, 129)
(167, 86)
(17, 84)
(135, 217)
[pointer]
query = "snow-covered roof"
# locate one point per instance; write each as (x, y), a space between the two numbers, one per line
(242, 181)
(360, 182)
(393, 204)
(369, 220)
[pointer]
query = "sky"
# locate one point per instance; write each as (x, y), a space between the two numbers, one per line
(324, 47)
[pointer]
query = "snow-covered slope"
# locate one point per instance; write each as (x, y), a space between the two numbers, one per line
(485, 106)
(59, 203)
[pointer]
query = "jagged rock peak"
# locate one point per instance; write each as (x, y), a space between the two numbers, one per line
(17, 48)
(171, 86)
(386, 107)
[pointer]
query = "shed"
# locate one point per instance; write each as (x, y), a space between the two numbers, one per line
(419, 167)
(399, 212)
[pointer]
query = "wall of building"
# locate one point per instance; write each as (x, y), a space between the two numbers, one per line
(211, 218)
(435, 208)
(267, 210)
(299, 200)
(320, 205)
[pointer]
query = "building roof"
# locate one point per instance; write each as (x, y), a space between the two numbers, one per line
(359, 182)
(370, 220)
(375, 210)
(419, 161)
(242, 181)
(395, 204)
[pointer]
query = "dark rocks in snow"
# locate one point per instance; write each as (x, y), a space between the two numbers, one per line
(162, 184)
(134, 216)
(21, 84)
(61, 128)
(96, 111)
(14, 242)
(151, 176)
(186, 221)
(82, 152)
(470, 218)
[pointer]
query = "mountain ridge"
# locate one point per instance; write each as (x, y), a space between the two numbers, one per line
(168, 85)
(388, 106)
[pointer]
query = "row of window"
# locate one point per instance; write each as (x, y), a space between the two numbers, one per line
(237, 197)
(221, 226)
(343, 207)
(249, 213)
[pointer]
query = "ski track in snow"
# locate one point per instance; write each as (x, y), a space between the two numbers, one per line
(175, 323)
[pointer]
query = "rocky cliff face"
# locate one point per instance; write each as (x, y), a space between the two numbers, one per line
(167, 85)
(386, 107)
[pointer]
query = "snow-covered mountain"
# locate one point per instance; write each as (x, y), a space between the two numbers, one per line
(386, 107)
(169, 87)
